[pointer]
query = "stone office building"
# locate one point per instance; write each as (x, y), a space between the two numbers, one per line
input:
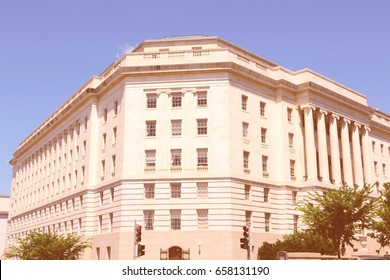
(192, 137)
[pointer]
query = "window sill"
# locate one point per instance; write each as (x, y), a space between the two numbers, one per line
(293, 178)
(150, 169)
(265, 174)
(202, 168)
(247, 171)
(176, 169)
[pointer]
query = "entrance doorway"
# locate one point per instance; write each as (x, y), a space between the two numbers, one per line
(175, 253)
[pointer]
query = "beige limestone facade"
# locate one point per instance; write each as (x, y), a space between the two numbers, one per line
(193, 137)
(4, 208)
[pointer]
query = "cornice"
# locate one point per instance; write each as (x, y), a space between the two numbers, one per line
(118, 72)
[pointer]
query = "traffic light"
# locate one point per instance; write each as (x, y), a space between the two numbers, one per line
(244, 242)
(141, 250)
(138, 234)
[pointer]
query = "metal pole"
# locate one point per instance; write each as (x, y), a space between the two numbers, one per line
(134, 245)
(250, 241)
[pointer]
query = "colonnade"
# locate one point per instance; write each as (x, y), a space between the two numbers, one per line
(344, 167)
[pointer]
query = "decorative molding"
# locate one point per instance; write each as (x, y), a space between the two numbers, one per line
(163, 91)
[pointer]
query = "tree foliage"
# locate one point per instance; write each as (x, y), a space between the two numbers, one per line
(381, 225)
(337, 214)
(297, 242)
(48, 246)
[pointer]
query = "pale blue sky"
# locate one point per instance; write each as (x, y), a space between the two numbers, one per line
(48, 49)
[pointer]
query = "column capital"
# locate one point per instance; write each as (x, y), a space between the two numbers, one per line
(308, 106)
(346, 120)
(366, 128)
(334, 116)
(357, 125)
(323, 112)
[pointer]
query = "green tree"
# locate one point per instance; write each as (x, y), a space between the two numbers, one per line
(297, 242)
(48, 246)
(381, 225)
(339, 214)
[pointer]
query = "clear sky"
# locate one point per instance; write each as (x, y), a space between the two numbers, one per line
(49, 48)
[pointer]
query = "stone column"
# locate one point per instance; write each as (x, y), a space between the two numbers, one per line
(346, 152)
(357, 156)
(366, 155)
(322, 146)
(310, 148)
(334, 150)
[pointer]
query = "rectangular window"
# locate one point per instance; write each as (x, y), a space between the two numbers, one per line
(116, 107)
(202, 157)
(112, 194)
(84, 147)
(85, 123)
(104, 141)
(202, 189)
(175, 190)
(245, 127)
(111, 221)
(105, 113)
(382, 149)
(100, 226)
(376, 167)
(176, 100)
(202, 126)
(149, 191)
(202, 99)
(114, 133)
(292, 169)
(247, 192)
(296, 218)
(384, 169)
(265, 163)
(246, 159)
(248, 217)
(289, 114)
(149, 219)
(98, 253)
(266, 194)
(244, 102)
(176, 157)
(109, 253)
(373, 146)
(203, 218)
(294, 197)
(176, 127)
(113, 165)
(103, 169)
(291, 140)
(150, 158)
(262, 109)
(82, 174)
(150, 128)
(151, 101)
(175, 219)
(263, 135)
(101, 197)
(267, 217)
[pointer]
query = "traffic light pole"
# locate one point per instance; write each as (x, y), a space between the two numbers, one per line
(250, 241)
(134, 239)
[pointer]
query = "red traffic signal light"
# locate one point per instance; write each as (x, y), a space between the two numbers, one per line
(138, 234)
(244, 242)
